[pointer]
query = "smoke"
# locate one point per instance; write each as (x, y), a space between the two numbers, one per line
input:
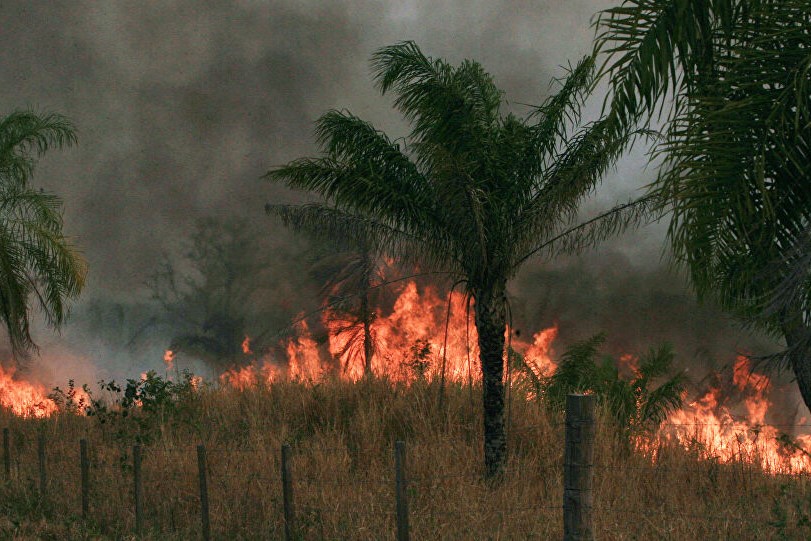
(182, 106)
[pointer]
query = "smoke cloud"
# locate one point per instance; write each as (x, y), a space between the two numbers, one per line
(182, 106)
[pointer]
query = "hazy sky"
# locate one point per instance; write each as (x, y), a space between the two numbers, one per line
(182, 106)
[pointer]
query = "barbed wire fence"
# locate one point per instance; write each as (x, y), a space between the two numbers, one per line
(289, 500)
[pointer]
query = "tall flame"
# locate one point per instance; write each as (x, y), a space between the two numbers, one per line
(169, 360)
(710, 428)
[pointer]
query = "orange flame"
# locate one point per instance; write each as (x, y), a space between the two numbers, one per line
(412, 342)
(169, 359)
(23, 398)
(249, 376)
(712, 429)
(303, 356)
(538, 354)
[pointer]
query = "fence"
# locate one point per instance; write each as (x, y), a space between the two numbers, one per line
(575, 505)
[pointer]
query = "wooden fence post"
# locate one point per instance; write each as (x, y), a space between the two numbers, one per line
(138, 489)
(201, 465)
(84, 462)
(287, 493)
(43, 480)
(578, 472)
(401, 490)
(6, 454)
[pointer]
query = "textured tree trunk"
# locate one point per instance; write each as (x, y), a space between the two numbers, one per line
(368, 348)
(366, 312)
(491, 321)
(795, 333)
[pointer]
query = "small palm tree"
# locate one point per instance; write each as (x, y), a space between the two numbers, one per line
(634, 403)
(471, 190)
(35, 257)
(352, 297)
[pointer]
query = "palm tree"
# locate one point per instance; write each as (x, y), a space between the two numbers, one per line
(35, 257)
(470, 191)
(732, 78)
(634, 403)
(352, 273)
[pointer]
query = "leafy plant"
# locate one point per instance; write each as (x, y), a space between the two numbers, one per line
(71, 400)
(418, 359)
(636, 403)
(140, 409)
(37, 260)
(728, 81)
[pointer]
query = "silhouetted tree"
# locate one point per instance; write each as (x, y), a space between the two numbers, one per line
(213, 295)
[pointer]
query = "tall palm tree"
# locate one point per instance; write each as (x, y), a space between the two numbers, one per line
(471, 190)
(733, 78)
(36, 260)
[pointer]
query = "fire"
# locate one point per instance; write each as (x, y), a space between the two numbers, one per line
(250, 376)
(538, 354)
(23, 398)
(419, 338)
(169, 360)
(424, 337)
(410, 342)
(711, 427)
(303, 356)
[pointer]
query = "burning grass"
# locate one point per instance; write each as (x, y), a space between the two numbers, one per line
(342, 434)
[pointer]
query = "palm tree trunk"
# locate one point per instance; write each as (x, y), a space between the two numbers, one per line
(491, 322)
(796, 332)
(365, 310)
(368, 349)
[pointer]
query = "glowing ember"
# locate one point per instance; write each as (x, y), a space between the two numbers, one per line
(169, 359)
(23, 398)
(246, 346)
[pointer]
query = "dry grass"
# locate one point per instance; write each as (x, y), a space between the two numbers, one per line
(343, 437)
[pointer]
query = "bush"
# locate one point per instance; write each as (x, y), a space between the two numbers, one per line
(635, 404)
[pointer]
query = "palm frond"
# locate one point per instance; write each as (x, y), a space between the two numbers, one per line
(440, 101)
(327, 223)
(577, 169)
(592, 232)
(36, 259)
(653, 48)
(24, 136)
(561, 111)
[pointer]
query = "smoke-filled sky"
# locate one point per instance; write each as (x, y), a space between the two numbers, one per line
(181, 106)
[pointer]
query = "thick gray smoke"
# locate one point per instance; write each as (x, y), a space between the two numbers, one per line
(182, 106)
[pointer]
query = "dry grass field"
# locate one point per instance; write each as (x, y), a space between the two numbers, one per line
(343, 436)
